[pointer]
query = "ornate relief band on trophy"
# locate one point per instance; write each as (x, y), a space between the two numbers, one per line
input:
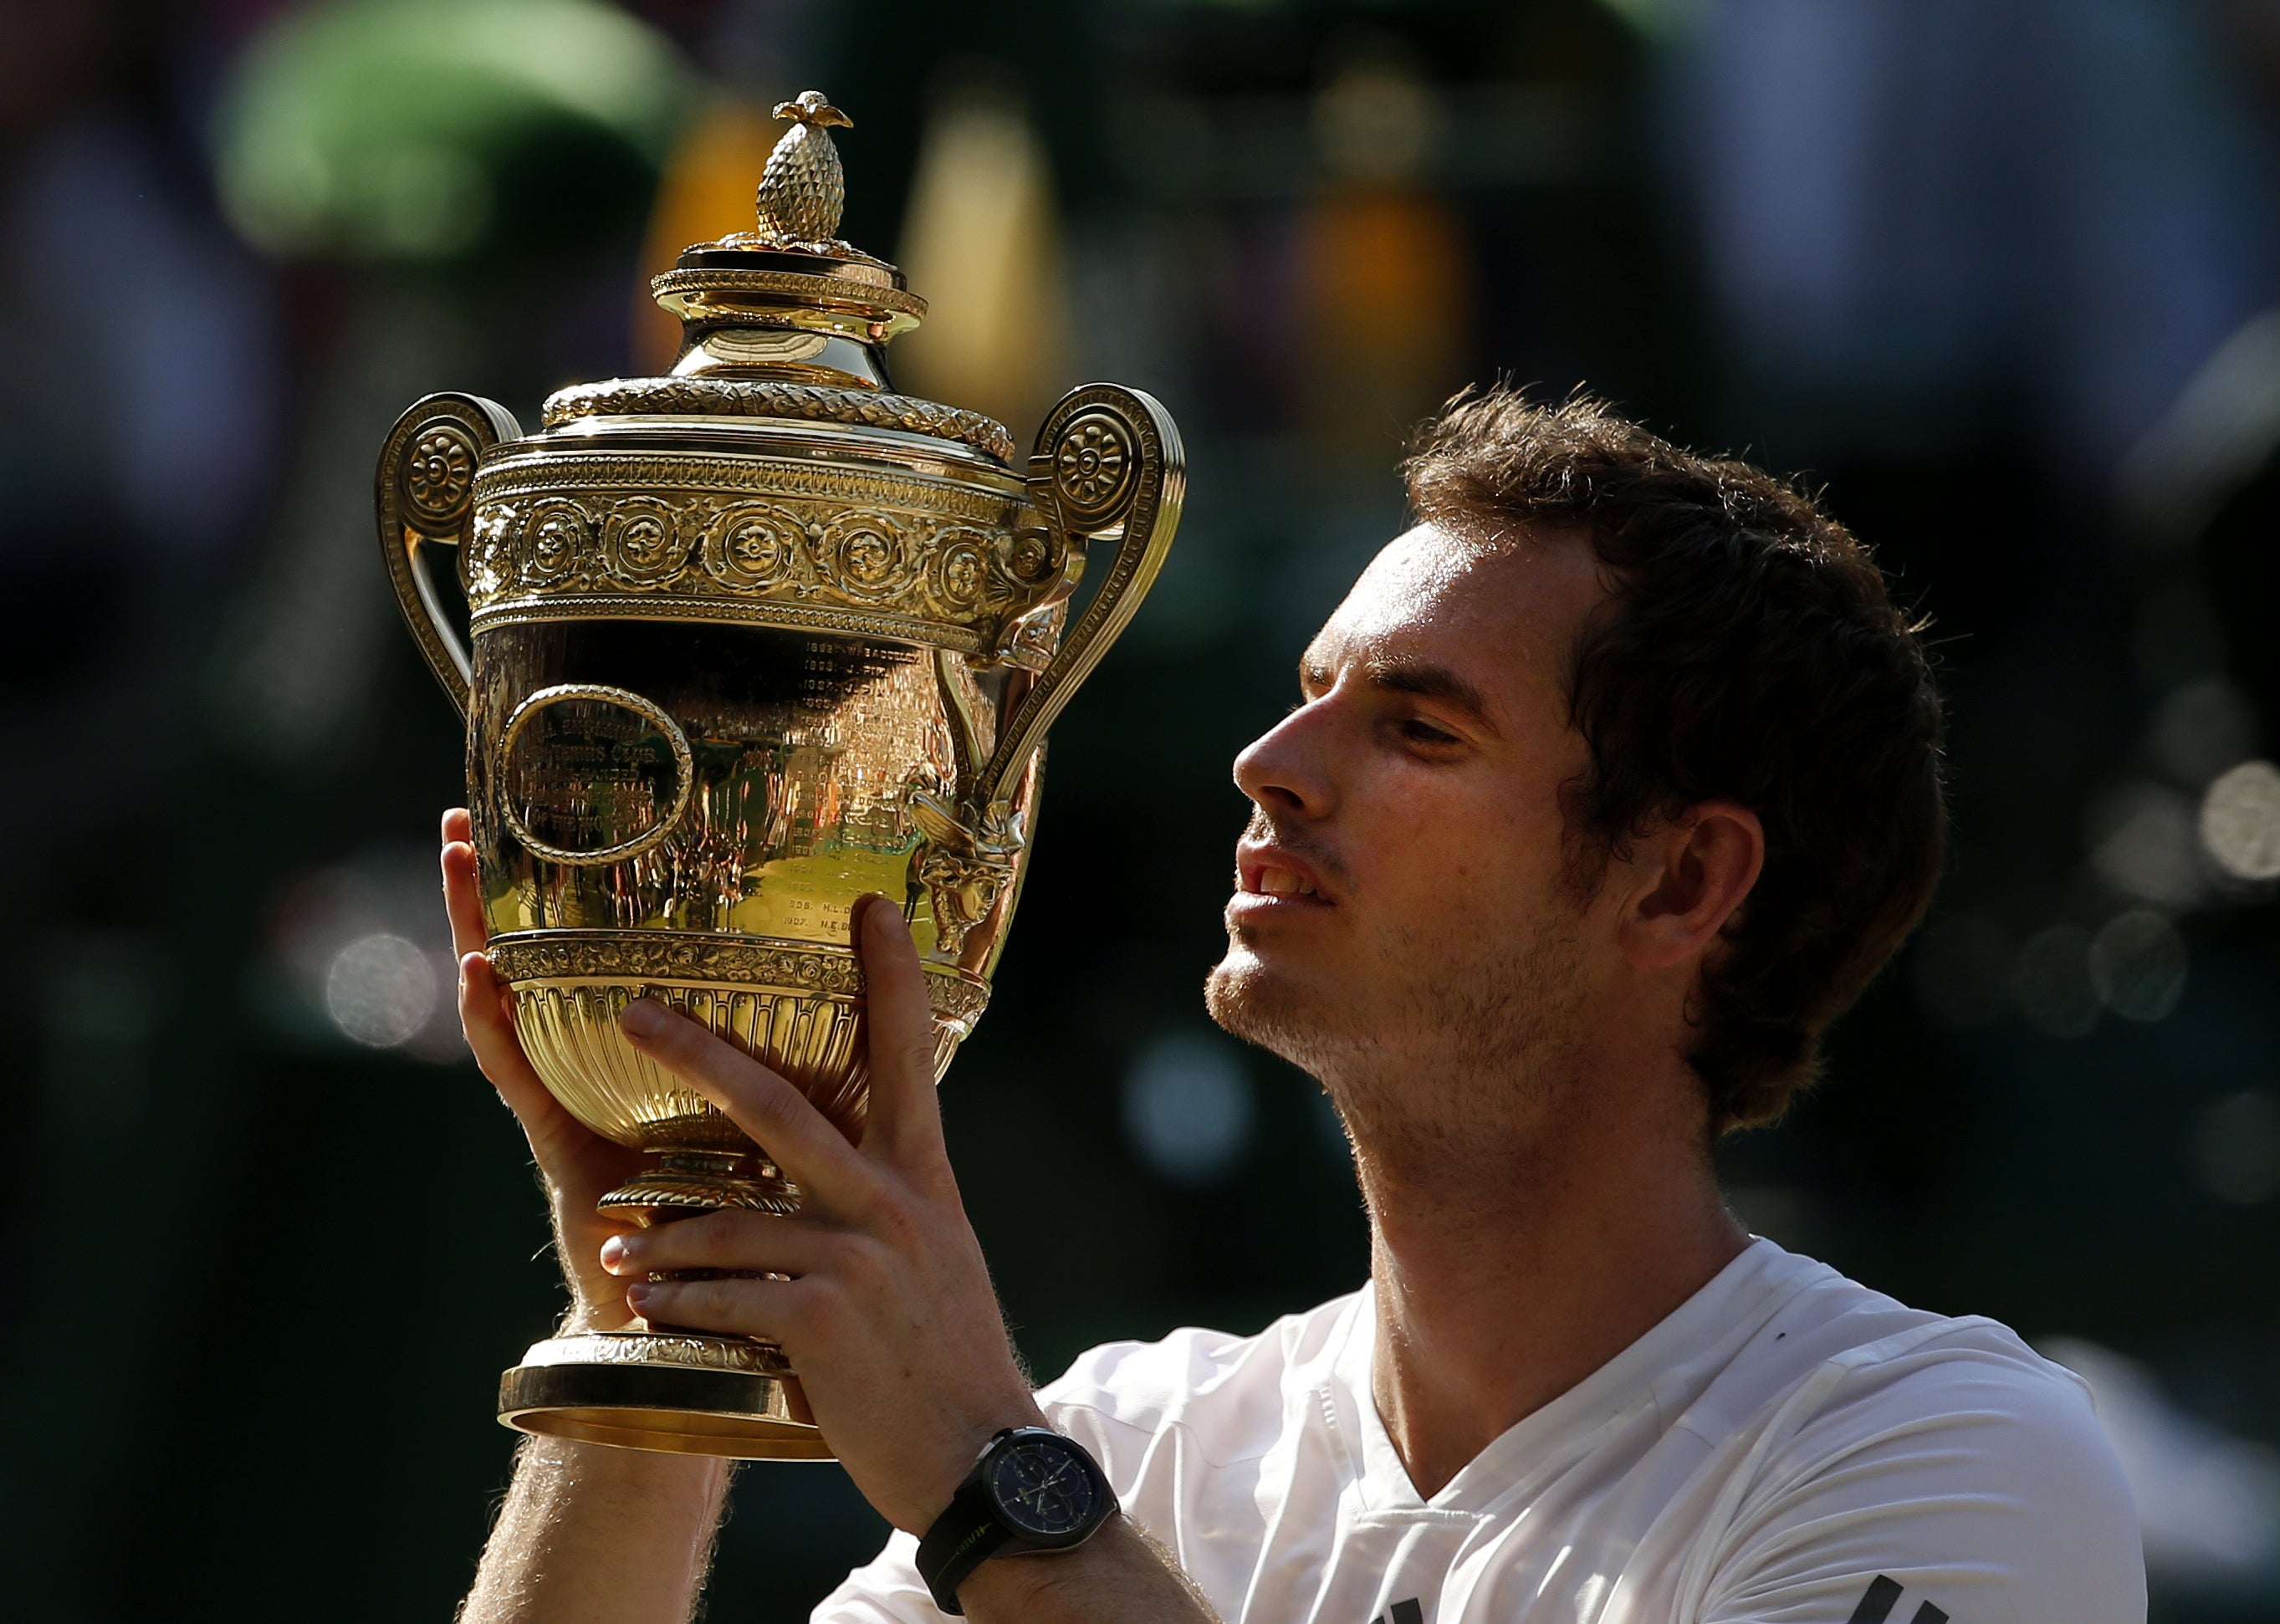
(745, 643)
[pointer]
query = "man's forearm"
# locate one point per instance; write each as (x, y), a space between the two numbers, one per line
(591, 1534)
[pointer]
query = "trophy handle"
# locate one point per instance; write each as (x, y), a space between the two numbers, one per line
(424, 490)
(1107, 465)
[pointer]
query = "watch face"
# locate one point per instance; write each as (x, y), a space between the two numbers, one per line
(1043, 1485)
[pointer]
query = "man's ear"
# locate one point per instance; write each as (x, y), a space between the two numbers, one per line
(1694, 872)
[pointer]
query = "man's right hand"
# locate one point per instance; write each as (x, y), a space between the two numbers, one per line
(624, 1537)
(578, 1165)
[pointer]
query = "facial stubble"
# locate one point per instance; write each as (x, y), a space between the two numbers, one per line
(1438, 1044)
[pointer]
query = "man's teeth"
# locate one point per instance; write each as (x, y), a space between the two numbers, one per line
(1279, 880)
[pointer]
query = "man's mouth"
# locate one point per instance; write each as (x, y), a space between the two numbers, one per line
(1275, 877)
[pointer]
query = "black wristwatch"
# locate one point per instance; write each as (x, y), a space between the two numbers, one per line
(1030, 1491)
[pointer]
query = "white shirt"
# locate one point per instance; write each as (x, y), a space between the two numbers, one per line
(1786, 1448)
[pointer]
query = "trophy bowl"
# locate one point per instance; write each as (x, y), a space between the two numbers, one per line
(744, 644)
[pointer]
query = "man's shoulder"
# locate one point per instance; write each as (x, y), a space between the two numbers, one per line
(1833, 1346)
(1903, 1372)
(1855, 1440)
(1861, 1341)
(1215, 1380)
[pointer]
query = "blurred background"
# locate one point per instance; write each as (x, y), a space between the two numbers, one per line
(2001, 275)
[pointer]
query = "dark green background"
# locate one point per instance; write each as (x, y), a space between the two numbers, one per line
(265, 1281)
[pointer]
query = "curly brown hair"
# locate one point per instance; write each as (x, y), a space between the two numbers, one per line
(1749, 651)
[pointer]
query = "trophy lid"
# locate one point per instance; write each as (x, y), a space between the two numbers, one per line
(793, 270)
(789, 318)
(795, 265)
(802, 192)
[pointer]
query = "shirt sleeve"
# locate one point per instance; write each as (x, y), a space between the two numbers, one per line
(1938, 1490)
(885, 1591)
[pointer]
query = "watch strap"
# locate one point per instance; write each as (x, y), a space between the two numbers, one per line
(966, 1536)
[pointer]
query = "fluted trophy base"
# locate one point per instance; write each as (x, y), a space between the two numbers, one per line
(684, 1183)
(679, 1392)
(796, 1007)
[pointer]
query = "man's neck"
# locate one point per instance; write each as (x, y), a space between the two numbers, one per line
(1503, 1279)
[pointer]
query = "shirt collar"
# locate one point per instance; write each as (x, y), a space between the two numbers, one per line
(1704, 1330)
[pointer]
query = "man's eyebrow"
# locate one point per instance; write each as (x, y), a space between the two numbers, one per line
(1434, 682)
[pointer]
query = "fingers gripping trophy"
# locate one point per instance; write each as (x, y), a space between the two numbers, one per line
(747, 643)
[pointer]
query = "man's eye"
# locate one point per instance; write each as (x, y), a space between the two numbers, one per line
(1426, 732)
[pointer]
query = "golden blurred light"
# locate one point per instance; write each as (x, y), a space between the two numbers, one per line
(1385, 293)
(2240, 821)
(982, 246)
(705, 193)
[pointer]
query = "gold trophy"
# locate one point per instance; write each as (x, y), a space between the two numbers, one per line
(746, 642)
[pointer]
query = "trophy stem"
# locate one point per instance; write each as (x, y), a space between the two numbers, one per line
(667, 1387)
(684, 1182)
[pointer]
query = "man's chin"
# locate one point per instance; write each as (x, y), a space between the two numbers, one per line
(1251, 1001)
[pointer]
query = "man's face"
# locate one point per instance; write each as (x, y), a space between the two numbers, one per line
(1402, 922)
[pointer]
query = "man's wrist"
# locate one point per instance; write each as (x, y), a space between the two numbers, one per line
(632, 1479)
(958, 1460)
(1006, 1586)
(585, 1317)
(1031, 1491)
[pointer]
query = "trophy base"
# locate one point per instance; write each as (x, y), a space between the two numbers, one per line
(676, 1392)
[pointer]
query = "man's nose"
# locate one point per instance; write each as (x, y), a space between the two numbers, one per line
(1284, 771)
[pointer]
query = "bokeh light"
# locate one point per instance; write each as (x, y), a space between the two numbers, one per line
(2240, 821)
(1189, 1107)
(2143, 844)
(379, 990)
(2138, 962)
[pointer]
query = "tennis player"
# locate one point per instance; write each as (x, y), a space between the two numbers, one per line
(1609, 786)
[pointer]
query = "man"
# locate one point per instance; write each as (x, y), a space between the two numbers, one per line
(1610, 785)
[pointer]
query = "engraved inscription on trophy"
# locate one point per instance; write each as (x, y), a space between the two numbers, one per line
(804, 757)
(593, 774)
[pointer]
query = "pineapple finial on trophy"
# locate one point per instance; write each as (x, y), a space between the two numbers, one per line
(803, 189)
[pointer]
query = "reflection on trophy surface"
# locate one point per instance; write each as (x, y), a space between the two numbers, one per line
(746, 643)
